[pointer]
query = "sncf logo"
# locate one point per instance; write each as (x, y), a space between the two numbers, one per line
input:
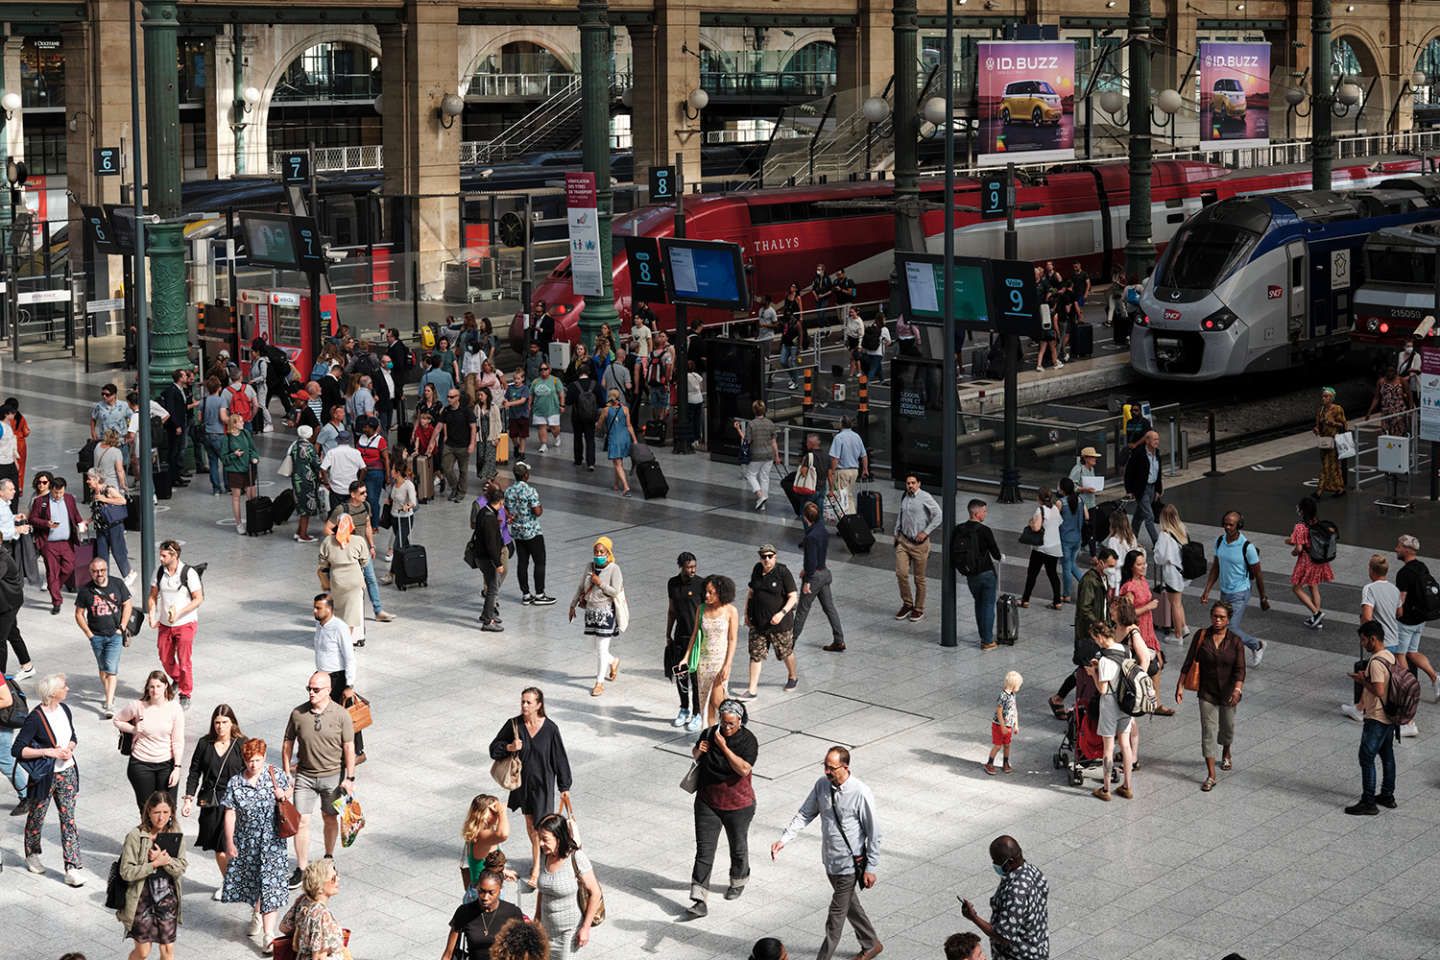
(1172, 314)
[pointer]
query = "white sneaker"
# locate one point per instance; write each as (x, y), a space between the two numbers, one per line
(130, 578)
(544, 448)
(219, 892)
(681, 718)
(1059, 365)
(1435, 688)
(26, 673)
(1259, 653)
(74, 877)
(1409, 730)
(240, 529)
(1353, 712)
(33, 864)
(257, 926)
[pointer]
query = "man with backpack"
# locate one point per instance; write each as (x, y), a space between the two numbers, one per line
(239, 400)
(1419, 604)
(1388, 700)
(1235, 563)
(584, 406)
(976, 558)
(172, 608)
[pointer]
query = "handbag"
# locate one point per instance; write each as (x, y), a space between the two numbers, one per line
(287, 462)
(805, 481)
(1325, 443)
(691, 781)
(582, 896)
(287, 816)
(359, 709)
(1190, 679)
(1032, 538)
(508, 769)
(862, 861)
(692, 662)
(115, 888)
(471, 559)
(126, 744)
(387, 517)
(622, 612)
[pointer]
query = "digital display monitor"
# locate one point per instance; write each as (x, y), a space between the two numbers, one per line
(270, 240)
(705, 273)
(916, 417)
(925, 290)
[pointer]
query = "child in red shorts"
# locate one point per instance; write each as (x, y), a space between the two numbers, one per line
(1006, 722)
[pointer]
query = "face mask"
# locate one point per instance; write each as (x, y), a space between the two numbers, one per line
(998, 868)
(600, 561)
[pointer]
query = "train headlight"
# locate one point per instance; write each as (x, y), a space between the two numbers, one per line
(1222, 319)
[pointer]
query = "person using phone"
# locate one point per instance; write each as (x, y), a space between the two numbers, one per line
(1019, 924)
(152, 861)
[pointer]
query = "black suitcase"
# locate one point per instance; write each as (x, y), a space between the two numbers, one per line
(132, 516)
(164, 490)
(258, 516)
(1120, 326)
(855, 531)
(411, 568)
(871, 505)
(655, 431)
(797, 502)
(404, 434)
(652, 479)
(1082, 341)
(283, 508)
(1007, 619)
(1100, 516)
(86, 458)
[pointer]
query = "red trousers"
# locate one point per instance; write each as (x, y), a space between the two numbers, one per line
(175, 644)
(59, 564)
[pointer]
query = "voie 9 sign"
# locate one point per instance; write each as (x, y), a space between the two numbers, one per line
(1235, 94)
(1026, 91)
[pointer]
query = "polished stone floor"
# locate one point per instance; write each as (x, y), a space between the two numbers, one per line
(1266, 865)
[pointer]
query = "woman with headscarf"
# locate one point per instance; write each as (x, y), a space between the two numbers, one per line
(341, 570)
(1329, 421)
(724, 798)
(305, 482)
(602, 590)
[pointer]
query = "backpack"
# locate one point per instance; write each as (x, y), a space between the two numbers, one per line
(239, 404)
(967, 549)
(185, 569)
(1134, 690)
(586, 406)
(1324, 538)
(1192, 560)
(13, 716)
(1429, 596)
(279, 364)
(1402, 695)
(871, 340)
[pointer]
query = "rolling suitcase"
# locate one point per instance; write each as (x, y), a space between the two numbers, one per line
(787, 484)
(164, 489)
(258, 516)
(651, 479)
(424, 478)
(80, 573)
(1007, 615)
(411, 569)
(871, 505)
(855, 531)
(283, 508)
(1082, 341)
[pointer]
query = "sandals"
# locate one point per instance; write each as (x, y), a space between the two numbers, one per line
(1057, 708)
(1207, 786)
(1056, 605)
(1227, 763)
(1025, 604)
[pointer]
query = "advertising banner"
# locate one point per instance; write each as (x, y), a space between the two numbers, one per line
(1027, 101)
(1235, 94)
(583, 218)
(1430, 394)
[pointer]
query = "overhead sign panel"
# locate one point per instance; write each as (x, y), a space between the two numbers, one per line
(996, 295)
(1026, 95)
(647, 278)
(1235, 94)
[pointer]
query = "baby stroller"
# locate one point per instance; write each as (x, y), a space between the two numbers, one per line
(1081, 747)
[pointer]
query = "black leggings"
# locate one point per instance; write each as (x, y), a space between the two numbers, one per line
(337, 695)
(687, 684)
(10, 637)
(147, 778)
(1038, 560)
(525, 552)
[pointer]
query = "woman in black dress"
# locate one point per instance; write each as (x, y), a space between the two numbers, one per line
(216, 759)
(544, 766)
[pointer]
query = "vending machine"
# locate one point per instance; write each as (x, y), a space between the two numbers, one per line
(286, 318)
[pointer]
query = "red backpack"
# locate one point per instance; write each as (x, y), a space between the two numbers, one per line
(239, 403)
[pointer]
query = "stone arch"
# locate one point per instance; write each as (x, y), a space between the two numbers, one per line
(494, 41)
(1371, 69)
(358, 35)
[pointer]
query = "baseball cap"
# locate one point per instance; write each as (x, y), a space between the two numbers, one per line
(767, 548)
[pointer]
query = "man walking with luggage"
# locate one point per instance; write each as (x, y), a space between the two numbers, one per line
(1236, 561)
(977, 558)
(815, 579)
(848, 462)
(917, 518)
(849, 848)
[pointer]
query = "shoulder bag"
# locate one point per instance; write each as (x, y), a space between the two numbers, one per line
(861, 862)
(1033, 536)
(210, 796)
(1190, 679)
(126, 743)
(622, 612)
(359, 709)
(287, 816)
(582, 896)
(287, 463)
(507, 770)
(697, 642)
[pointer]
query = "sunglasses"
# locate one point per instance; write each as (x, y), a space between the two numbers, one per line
(314, 689)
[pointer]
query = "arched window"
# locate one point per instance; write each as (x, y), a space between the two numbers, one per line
(331, 72)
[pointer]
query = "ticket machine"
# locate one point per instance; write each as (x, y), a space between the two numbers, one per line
(286, 318)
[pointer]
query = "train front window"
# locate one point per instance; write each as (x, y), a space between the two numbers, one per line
(1400, 266)
(1205, 254)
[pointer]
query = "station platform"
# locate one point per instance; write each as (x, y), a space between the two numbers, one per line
(1275, 877)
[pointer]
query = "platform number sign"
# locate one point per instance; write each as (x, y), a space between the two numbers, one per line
(309, 246)
(1016, 304)
(994, 196)
(662, 183)
(295, 167)
(97, 223)
(647, 279)
(107, 161)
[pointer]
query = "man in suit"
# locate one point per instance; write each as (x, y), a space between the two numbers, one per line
(399, 370)
(56, 518)
(1145, 481)
(172, 398)
(490, 554)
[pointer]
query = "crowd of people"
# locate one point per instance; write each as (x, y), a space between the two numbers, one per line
(365, 463)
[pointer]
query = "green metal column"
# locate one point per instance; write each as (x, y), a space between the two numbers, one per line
(169, 325)
(1139, 248)
(237, 104)
(1322, 80)
(908, 234)
(595, 153)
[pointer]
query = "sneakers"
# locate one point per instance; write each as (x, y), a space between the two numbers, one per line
(527, 600)
(542, 600)
(130, 578)
(904, 612)
(1409, 730)
(388, 579)
(1353, 712)
(184, 702)
(257, 925)
(240, 529)
(491, 627)
(295, 879)
(917, 615)
(791, 684)
(760, 504)
(544, 448)
(1258, 653)
(20, 809)
(744, 696)
(681, 718)
(384, 616)
(74, 877)
(26, 673)
(1362, 809)
(1434, 688)
(697, 908)
(1316, 620)
(107, 710)
(33, 864)
(697, 720)
(218, 894)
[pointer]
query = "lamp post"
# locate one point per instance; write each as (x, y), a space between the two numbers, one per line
(1322, 138)
(595, 154)
(243, 105)
(874, 110)
(909, 237)
(1334, 105)
(1139, 247)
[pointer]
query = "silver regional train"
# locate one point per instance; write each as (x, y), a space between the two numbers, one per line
(1266, 283)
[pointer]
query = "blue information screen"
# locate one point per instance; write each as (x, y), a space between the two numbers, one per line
(706, 273)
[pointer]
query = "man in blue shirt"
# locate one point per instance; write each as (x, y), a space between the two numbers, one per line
(848, 462)
(1236, 561)
(815, 579)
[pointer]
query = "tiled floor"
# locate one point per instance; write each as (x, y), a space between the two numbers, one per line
(1266, 865)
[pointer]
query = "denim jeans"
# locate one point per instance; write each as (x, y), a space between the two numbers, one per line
(13, 771)
(372, 586)
(1145, 513)
(1070, 574)
(789, 357)
(985, 588)
(212, 446)
(1238, 603)
(708, 824)
(111, 543)
(873, 365)
(1377, 738)
(374, 486)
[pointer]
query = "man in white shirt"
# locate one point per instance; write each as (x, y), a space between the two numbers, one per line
(173, 608)
(1379, 602)
(341, 467)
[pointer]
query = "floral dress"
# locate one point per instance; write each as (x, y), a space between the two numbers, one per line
(1139, 593)
(1307, 572)
(1330, 420)
(1394, 399)
(260, 871)
(305, 478)
(313, 929)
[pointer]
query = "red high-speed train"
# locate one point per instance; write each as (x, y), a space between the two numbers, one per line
(1080, 217)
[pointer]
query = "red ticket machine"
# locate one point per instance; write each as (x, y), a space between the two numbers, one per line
(287, 318)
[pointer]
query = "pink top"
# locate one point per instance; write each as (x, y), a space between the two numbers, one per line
(159, 730)
(1139, 593)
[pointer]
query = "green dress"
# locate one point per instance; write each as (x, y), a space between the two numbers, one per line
(305, 478)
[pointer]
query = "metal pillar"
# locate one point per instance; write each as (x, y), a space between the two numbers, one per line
(595, 153)
(1139, 248)
(146, 501)
(682, 339)
(237, 99)
(1322, 99)
(948, 381)
(1010, 473)
(169, 326)
(908, 233)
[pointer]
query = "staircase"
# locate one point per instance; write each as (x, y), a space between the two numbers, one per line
(553, 125)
